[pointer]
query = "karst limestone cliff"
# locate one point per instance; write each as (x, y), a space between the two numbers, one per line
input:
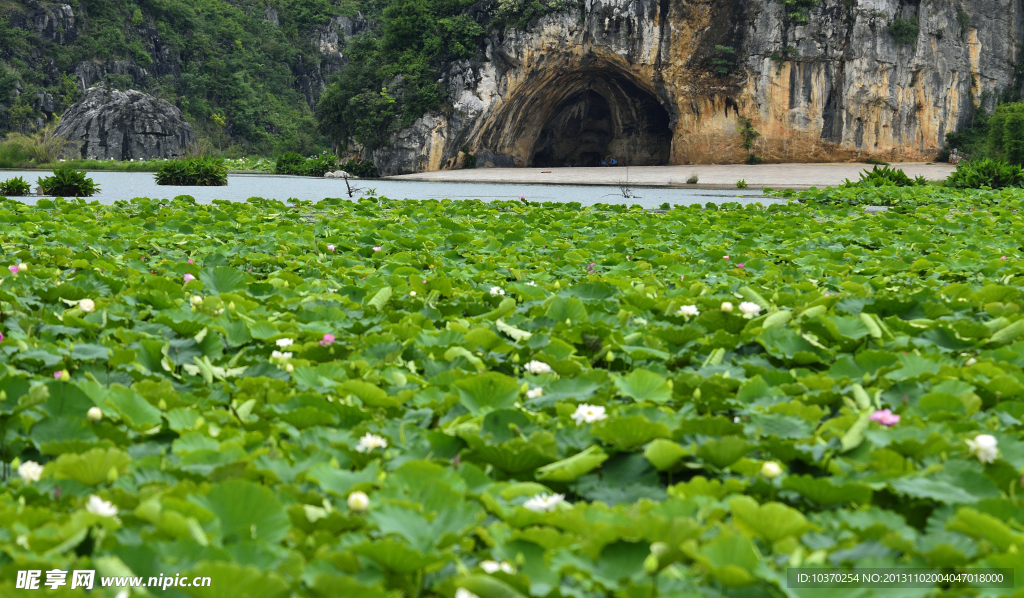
(667, 82)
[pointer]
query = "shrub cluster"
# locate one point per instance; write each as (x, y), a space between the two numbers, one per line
(999, 135)
(905, 31)
(316, 165)
(993, 174)
(363, 169)
(885, 177)
(15, 187)
(205, 171)
(68, 182)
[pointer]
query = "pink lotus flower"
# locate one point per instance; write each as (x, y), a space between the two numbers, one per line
(191, 262)
(1003, 258)
(725, 257)
(56, 375)
(189, 277)
(377, 248)
(13, 269)
(739, 265)
(885, 417)
(522, 197)
(327, 341)
(330, 248)
(1, 337)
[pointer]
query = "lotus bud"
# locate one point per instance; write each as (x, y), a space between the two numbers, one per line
(358, 501)
(771, 469)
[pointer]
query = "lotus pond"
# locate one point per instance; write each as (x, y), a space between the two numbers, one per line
(438, 398)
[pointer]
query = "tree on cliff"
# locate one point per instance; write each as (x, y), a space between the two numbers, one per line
(404, 55)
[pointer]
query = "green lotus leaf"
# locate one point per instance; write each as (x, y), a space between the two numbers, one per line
(771, 521)
(630, 432)
(246, 511)
(643, 385)
(486, 392)
(575, 466)
(92, 467)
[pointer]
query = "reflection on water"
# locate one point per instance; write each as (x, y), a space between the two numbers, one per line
(116, 186)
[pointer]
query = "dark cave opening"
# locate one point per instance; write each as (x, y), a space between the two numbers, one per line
(603, 118)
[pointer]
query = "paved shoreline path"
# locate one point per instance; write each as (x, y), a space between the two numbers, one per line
(776, 176)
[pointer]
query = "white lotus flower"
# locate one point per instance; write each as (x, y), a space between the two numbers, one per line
(412, 293)
(98, 506)
(688, 311)
(749, 309)
(984, 447)
(285, 342)
(464, 593)
(534, 393)
(94, 414)
(771, 469)
(543, 503)
(371, 441)
(531, 284)
(195, 300)
(971, 362)
(497, 291)
(30, 471)
(537, 367)
(87, 305)
(589, 414)
(280, 355)
(358, 501)
(726, 306)
(495, 566)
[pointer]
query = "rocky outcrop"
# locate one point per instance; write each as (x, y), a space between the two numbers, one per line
(329, 42)
(125, 125)
(658, 82)
(53, 22)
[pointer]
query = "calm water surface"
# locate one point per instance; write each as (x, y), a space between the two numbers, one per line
(116, 186)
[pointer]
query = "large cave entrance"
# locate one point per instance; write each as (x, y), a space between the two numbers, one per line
(578, 135)
(610, 120)
(597, 112)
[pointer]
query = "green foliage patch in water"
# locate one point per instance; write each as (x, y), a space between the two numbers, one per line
(68, 182)
(204, 171)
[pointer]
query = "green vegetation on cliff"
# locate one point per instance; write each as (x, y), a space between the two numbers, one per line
(236, 69)
(245, 73)
(393, 71)
(395, 68)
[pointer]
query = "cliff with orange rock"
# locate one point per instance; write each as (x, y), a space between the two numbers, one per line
(669, 82)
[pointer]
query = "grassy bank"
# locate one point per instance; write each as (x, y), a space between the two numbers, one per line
(234, 165)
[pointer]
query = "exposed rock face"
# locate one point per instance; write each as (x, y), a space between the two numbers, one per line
(635, 80)
(125, 125)
(52, 22)
(329, 58)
